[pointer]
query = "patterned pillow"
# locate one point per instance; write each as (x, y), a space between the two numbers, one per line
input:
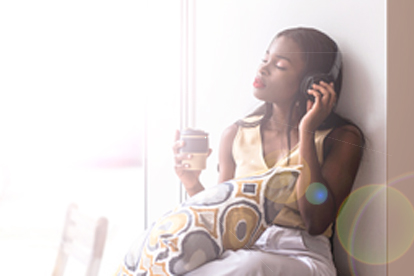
(230, 215)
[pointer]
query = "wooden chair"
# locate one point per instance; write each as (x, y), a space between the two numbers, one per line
(83, 239)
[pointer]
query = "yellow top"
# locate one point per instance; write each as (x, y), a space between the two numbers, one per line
(248, 155)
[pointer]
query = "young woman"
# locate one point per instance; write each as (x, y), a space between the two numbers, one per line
(328, 146)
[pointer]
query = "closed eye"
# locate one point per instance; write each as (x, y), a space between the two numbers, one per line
(276, 65)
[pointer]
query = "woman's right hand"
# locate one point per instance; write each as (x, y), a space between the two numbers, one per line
(189, 178)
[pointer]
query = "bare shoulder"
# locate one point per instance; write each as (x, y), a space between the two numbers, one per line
(229, 133)
(349, 134)
(227, 164)
(227, 139)
(346, 143)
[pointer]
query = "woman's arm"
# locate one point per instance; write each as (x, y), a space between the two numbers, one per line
(337, 173)
(340, 167)
(227, 166)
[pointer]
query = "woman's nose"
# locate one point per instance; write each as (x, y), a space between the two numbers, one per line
(264, 68)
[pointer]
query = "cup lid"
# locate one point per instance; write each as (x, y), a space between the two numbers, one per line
(191, 131)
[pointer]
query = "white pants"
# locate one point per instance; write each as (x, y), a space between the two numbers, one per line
(279, 251)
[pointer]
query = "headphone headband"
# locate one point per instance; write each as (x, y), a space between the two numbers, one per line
(312, 78)
(336, 67)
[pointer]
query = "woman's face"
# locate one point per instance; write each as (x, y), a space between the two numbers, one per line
(279, 75)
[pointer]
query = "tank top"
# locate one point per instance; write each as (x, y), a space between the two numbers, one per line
(248, 155)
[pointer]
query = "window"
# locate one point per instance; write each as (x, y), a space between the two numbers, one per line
(77, 77)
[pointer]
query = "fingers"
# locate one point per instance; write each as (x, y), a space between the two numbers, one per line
(177, 145)
(322, 89)
(179, 157)
(325, 93)
(317, 95)
(328, 91)
(177, 135)
(177, 142)
(331, 90)
(181, 167)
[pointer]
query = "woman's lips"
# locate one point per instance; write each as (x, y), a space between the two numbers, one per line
(258, 83)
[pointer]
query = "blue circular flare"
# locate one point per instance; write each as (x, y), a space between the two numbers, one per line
(316, 193)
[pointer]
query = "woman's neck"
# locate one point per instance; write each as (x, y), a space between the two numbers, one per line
(279, 120)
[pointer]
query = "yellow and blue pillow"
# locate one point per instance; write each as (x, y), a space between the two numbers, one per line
(230, 215)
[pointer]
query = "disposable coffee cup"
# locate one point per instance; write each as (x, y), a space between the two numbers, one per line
(196, 144)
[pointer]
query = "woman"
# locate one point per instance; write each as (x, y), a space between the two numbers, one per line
(298, 243)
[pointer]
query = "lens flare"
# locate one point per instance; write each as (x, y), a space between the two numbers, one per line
(400, 214)
(362, 235)
(316, 193)
(354, 224)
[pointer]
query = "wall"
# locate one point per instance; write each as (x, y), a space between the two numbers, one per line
(400, 136)
(232, 37)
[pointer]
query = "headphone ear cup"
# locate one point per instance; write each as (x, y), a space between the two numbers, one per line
(309, 80)
(306, 84)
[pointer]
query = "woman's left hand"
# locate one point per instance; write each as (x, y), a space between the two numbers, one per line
(318, 111)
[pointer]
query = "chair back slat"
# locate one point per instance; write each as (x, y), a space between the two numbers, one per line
(83, 239)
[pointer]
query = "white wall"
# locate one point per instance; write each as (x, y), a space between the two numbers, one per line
(231, 39)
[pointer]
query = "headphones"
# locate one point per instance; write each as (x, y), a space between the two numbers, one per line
(329, 77)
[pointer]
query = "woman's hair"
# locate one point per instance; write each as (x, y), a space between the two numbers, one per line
(319, 53)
